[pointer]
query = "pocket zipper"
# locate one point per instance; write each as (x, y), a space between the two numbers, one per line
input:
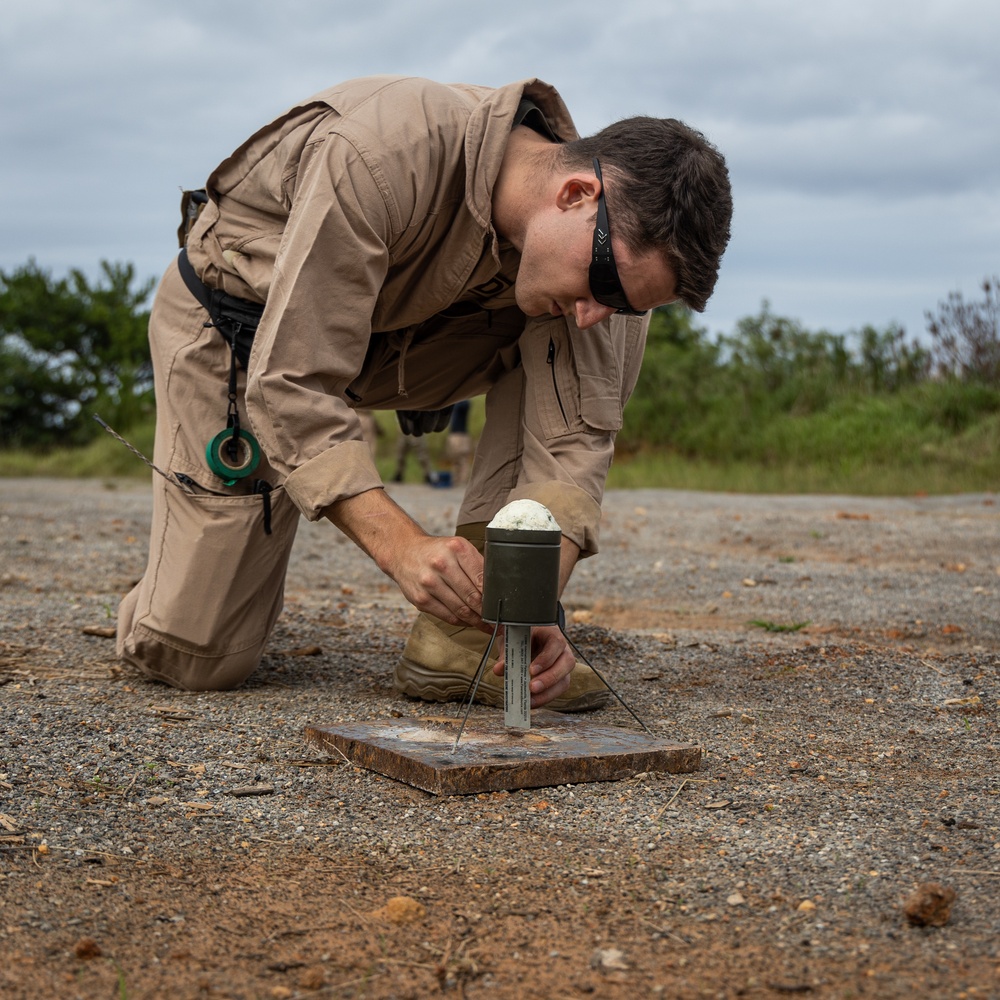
(551, 362)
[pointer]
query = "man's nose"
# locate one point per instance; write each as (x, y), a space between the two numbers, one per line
(589, 312)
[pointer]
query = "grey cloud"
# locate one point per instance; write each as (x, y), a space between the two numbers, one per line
(861, 137)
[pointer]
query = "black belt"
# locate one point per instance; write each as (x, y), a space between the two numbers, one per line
(235, 319)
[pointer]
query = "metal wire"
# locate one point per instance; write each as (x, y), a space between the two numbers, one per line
(603, 679)
(474, 684)
(135, 451)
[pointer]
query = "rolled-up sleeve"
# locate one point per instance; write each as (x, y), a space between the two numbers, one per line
(315, 331)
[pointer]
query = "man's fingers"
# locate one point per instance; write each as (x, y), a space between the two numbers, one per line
(557, 689)
(470, 562)
(458, 572)
(448, 608)
(467, 616)
(441, 580)
(551, 665)
(543, 679)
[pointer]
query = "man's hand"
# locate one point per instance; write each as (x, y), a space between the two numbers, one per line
(552, 663)
(442, 576)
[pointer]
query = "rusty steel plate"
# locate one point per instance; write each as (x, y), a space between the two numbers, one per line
(557, 750)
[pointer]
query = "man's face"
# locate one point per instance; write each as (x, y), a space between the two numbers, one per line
(553, 278)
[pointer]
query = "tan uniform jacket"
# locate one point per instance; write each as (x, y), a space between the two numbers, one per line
(360, 214)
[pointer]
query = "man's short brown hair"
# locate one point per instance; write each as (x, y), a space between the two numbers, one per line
(669, 192)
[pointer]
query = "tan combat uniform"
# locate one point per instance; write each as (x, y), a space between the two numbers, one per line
(362, 218)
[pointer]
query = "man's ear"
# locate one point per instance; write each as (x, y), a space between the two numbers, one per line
(578, 191)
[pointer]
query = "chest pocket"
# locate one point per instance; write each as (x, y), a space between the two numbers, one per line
(579, 380)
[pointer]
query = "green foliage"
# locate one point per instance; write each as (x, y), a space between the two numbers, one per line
(29, 395)
(70, 348)
(769, 626)
(718, 399)
(770, 407)
(888, 362)
(776, 406)
(681, 386)
(781, 367)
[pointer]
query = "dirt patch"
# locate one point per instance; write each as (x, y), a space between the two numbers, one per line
(301, 924)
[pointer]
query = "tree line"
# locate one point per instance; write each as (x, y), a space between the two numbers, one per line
(71, 347)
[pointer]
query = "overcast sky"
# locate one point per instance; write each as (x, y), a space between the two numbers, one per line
(863, 137)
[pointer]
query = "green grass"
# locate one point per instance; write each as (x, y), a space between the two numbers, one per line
(769, 626)
(665, 471)
(104, 456)
(647, 470)
(916, 443)
(933, 438)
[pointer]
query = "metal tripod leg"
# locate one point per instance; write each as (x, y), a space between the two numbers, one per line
(474, 686)
(602, 679)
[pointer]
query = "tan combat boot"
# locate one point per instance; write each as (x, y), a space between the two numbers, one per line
(440, 661)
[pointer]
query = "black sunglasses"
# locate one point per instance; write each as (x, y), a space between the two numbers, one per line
(605, 285)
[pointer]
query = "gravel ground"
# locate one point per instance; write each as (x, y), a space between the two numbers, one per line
(849, 745)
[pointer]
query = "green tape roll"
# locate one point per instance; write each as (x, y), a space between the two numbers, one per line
(220, 462)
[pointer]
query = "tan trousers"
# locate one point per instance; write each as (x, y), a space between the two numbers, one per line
(458, 451)
(214, 585)
(406, 443)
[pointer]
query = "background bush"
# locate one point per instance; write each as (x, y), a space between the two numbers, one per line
(770, 406)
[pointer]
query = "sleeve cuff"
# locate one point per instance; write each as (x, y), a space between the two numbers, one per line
(578, 513)
(341, 472)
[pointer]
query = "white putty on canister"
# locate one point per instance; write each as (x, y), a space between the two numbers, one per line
(525, 515)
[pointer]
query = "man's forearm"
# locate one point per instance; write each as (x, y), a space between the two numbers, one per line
(376, 524)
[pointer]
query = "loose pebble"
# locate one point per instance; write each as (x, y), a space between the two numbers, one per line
(930, 905)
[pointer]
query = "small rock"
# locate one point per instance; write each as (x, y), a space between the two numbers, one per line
(401, 910)
(806, 906)
(312, 979)
(930, 905)
(86, 949)
(736, 899)
(608, 959)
